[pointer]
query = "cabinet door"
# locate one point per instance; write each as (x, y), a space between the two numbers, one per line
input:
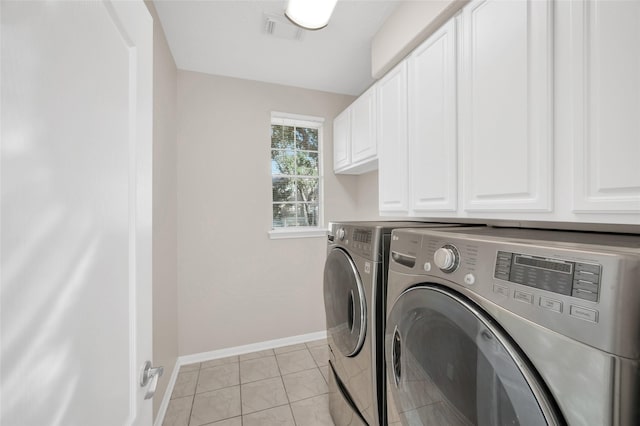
(432, 123)
(363, 127)
(341, 140)
(392, 134)
(606, 106)
(506, 94)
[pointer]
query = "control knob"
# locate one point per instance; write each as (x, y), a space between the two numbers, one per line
(447, 258)
(341, 234)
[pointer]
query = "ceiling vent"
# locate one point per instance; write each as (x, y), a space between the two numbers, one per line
(279, 26)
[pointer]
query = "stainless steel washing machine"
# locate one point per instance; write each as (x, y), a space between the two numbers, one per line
(354, 294)
(511, 326)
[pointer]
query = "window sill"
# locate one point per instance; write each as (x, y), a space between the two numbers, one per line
(277, 234)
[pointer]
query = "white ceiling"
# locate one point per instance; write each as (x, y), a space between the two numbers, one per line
(228, 38)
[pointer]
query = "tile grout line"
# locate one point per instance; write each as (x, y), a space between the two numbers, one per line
(259, 380)
(263, 409)
(225, 387)
(285, 390)
(311, 397)
(295, 422)
(271, 408)
(193, 399)
(318, 365)
(302, 371)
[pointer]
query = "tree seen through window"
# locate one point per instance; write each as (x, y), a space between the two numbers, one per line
(295, 177)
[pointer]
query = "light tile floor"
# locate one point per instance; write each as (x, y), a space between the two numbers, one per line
(282, 386)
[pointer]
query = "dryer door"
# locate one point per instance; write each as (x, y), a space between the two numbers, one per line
(345, 303)
(449, 363)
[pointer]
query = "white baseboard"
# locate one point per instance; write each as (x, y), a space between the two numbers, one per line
(223, 353)
(253, 347)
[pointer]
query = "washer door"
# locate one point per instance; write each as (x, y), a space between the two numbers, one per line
(449, 363)
(344, 302)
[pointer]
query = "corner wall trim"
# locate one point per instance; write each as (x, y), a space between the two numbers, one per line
(223, 353)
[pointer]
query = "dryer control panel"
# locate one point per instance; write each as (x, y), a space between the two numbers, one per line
(577, 279)
(360, 240)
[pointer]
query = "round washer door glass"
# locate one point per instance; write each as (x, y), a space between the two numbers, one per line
(448, 363)
(344, 302)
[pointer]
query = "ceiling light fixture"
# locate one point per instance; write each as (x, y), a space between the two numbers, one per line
(310, 14)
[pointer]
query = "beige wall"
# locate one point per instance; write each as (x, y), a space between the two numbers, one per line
(165, 288)
(367, 196)
(408, 26)
(236, 286)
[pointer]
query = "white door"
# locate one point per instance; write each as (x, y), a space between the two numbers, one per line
(75, 288)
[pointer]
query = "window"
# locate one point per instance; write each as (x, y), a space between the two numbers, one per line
(296, 181)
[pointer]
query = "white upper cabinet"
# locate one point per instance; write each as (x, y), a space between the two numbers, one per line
(519, 110)
(393, 175)
(606, 106)
(342, 140)
(506, 106)
(432, 123)
(354, 136)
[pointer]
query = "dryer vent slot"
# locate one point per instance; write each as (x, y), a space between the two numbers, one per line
(403, 259)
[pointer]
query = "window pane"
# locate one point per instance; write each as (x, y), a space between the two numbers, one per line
(282, 162)
(308, 190)
(284, 215)
(287, 136)
(283, 189)
(307, 214)
(307, 138)
(276, 135)
(289, 216)
(307, 163)
(282, 137)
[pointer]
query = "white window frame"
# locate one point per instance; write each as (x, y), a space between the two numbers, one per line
(287, 119)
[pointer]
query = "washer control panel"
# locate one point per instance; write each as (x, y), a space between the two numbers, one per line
(581, 285)
(581, 280)
(447, 258)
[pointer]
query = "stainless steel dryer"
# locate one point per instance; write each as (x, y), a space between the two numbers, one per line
(354, 295)
(511, 326)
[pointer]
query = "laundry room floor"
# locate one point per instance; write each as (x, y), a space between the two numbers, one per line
(282, 386)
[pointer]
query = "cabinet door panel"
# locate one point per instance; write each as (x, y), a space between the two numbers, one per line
(432, 123)
(363, 127)
(606, 70)
(392, 133)
(341, 140)
(506, 91)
